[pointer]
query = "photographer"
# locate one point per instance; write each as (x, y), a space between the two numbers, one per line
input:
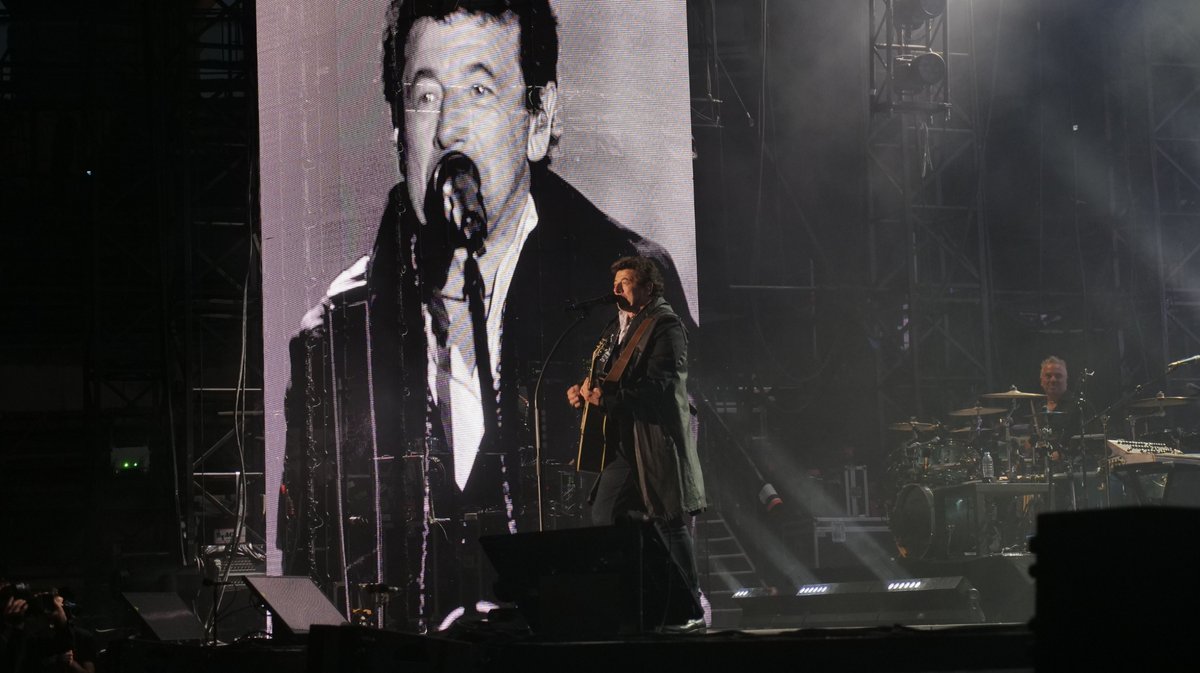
(39, 636)
(12, 632)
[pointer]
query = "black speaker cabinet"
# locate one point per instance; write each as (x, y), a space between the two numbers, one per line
(295, 602)
(599, 581)
(165, 616)
(1122, 582)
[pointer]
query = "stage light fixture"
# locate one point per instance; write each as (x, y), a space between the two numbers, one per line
(912, 13)
(917, 72)
(919, 600)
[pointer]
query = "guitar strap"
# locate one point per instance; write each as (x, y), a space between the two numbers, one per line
(636, 344)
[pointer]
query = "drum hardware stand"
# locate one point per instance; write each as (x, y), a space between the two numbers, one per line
(1106, 414)
(1006, 422)
(1041, 451)
(1081, 404)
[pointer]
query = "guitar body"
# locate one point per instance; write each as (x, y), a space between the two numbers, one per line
(592, 444)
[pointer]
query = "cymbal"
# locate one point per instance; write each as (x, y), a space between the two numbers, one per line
(1013, 394)
(977, 411)
(913, 426)
(1161, 401)
(963, 430)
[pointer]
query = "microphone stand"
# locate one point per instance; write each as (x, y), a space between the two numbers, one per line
(1126, 399)
(1104, 416)
(537, 414)
(1080, 403)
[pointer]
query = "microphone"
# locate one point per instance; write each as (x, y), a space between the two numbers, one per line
(378, 588)
(1179, 363)
(594, 301)
(454, 196)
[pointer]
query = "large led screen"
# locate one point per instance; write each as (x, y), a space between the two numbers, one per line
(437, 186)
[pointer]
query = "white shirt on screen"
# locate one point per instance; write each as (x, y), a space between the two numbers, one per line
(451, 373)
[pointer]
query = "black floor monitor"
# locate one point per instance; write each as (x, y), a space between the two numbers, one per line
(295, 601)
(605, 580)
(166, 616)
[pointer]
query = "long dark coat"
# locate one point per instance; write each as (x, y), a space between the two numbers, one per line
(650, 414)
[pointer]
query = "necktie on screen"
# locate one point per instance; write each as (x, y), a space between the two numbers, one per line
(473, 288)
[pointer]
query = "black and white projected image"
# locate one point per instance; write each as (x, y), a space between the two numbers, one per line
(439, 182)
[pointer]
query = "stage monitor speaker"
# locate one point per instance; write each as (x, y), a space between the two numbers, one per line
(165, 615)
(295, 601)
(1120, 581)
(596, 581)
(908, 601)
(1005, 586)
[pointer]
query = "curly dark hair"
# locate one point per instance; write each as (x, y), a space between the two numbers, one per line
(538, 41)
(645, 269)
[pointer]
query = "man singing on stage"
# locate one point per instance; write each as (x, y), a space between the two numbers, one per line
(651, 467)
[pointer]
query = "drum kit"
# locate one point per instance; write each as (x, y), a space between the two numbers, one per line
(1009, 443)
(944, 454)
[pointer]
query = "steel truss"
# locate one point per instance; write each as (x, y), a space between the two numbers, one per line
(927, 233)
(217, 329)
(1172, 62)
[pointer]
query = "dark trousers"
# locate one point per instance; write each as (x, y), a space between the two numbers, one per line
(618, 495)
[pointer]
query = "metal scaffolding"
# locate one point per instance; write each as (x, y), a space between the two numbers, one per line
(928, 238)
(218, 325)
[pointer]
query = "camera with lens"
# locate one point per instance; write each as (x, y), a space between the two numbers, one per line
(41, 606)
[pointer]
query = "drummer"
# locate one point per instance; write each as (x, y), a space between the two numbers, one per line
(1063, 409)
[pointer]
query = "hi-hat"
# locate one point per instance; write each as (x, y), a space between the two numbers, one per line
(977, 411)
(1013, 394)
(913, 426)
(1161, 401)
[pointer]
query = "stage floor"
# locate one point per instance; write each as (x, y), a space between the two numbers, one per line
(991, 647)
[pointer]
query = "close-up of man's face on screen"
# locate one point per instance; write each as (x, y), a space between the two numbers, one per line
(463, 90)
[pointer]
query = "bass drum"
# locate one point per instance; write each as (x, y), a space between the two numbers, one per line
(913, 522)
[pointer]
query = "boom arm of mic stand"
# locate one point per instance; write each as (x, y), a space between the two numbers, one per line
(537, 415)
(1126, 398)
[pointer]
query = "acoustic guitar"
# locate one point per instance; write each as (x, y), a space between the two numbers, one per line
(592, 445)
